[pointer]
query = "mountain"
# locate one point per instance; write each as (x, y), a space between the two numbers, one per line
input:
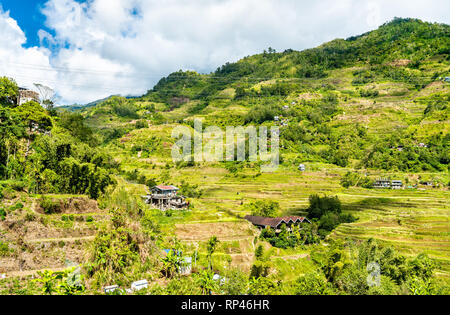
(351, 111)
(349, 102)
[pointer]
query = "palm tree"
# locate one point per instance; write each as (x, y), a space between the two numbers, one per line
(170, 264)
(206, 282)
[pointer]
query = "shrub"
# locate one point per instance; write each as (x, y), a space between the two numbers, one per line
(318, 206)
(49, 206)
(140, 124)
(312, 284)
(235, 283)
(264, 208)
(4, 249)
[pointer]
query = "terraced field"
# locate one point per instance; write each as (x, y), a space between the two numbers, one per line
(413, 221)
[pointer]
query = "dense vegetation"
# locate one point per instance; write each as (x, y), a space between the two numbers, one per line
(370, 104)
(49, 154)
(398, 52)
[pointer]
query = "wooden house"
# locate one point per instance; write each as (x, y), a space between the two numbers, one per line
(166, 197)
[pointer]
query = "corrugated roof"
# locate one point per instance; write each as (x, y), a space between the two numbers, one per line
(274, 222)
(164, 187)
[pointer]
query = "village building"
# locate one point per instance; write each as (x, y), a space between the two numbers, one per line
(26, 95)
(166, 197)
(382, 183)
(387, 183)
(276, 223)
(396, 184)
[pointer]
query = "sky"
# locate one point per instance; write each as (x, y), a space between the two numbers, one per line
(90, 49)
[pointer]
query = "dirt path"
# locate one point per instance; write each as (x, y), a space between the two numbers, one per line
(222, 239)
(26, 273)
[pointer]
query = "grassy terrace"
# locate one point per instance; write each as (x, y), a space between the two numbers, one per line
(413, 221)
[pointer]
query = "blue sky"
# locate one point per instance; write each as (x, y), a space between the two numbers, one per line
(29, 17)
(87, 50)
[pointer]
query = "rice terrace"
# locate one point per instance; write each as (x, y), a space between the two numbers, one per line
(356, 201)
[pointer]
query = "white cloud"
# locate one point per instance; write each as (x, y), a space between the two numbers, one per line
(15, 60)
(126, 46)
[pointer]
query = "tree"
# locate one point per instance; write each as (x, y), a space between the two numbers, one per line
(236, 282)
(11, 130)
(259, 252)
(262, 286)
(34, 115)
(319, 206)
(206, 282)
(264, 208)
(170, 264)
(312, 284)
(47, 96)
(211, 248)
(75, 124)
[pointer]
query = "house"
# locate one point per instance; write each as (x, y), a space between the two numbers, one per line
(166, 197)
(386, 183)
(26, 95)
(165, 190)
(275, 223)
(396, 184)
(382, 183)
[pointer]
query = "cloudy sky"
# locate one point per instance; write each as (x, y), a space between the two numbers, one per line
(87, 50)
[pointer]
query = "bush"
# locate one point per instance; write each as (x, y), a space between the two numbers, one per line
(140, 124)
(235, 283)
(4, 249)
(190, 191)
(318, 206)
(2, 214)
(49, 206)
(312, 284)
(264, 208)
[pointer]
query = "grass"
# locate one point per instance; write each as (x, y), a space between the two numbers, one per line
(413, 221)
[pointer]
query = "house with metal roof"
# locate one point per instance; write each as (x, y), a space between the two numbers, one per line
(165, 189)
(166, 197)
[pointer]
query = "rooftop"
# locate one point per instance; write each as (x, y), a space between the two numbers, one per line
(164, 187)
(274, 222)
